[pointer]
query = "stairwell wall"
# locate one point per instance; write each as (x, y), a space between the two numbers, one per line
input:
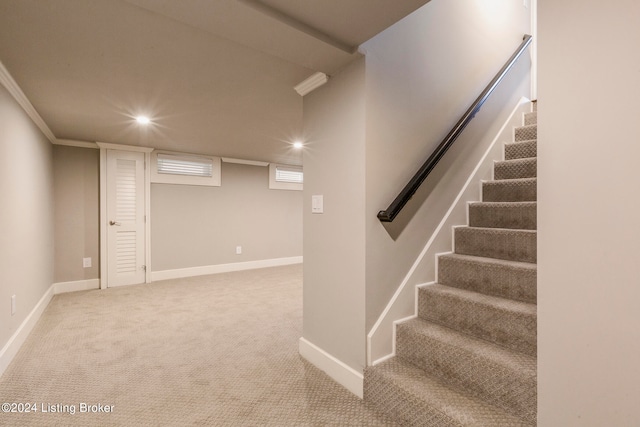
(422, 75)
(588, 203)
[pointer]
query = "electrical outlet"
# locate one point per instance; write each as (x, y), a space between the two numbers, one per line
(13, 305)
(86, 262)
(238, 250)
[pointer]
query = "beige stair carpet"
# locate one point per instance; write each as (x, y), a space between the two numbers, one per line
(469, 358)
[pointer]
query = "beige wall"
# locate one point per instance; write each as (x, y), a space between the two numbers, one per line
(422, 75)
(333, 310)
(588, 204)
(194, 226)
(26, 215)
(77, 212)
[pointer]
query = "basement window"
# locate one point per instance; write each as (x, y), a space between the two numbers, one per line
(285, 177)
(185, 169)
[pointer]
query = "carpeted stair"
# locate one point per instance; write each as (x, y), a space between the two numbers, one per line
(469, 358)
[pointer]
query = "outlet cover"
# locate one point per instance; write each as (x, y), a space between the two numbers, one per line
(13, 305)
(86, 262)
(238, 250)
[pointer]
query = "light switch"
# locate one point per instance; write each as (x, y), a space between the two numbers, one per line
(317, 204)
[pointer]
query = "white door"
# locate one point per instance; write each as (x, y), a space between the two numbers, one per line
(125, 218)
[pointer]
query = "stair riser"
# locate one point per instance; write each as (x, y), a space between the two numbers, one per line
(521, 150)
(510, 329)
(514, 217)
(531, 118)
(514, 169)
(399, 404)
(412, 400)
(500, 384)
(526, 133)
(517, 283)
(513, 245)
(510, 191)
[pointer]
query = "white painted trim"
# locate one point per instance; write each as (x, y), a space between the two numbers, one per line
(122, 147)
(104, 270)
(342, 373)
(277, 185)
(244, 162)
(78, 285)
(104, 279)
(311, 83)
(472, 176)
(147, 216)
(7, 80)
(74, 143)
(223, 268)
(16, 341)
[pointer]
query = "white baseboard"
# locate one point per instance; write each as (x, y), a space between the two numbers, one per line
(78, 285)
(343, 374)
(12, 346)
(222, 268)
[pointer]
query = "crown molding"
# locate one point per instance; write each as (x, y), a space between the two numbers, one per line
(74, 143)
(10, 84)
(312, 83)
(123, 147)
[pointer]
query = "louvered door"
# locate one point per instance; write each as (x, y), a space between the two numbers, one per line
(125, 218)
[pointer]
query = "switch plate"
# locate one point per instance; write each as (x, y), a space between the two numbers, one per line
(317, 204)
(238, 250)
(86, 262)
(13, 305)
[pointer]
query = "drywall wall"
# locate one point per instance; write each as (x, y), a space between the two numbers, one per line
(334, 252)
(77, 212)
(26, 215)
(193, 226)
(588, 204)
(422, 75)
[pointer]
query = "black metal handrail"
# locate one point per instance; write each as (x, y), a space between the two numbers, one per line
(412, 186)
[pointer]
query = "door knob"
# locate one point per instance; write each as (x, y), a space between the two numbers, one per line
(114, 223)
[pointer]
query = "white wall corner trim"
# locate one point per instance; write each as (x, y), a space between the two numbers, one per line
(223, 268)
(311, 83)
(343, 374)
(383, 330)
(12, 86)
(12, 346)
(78, 285)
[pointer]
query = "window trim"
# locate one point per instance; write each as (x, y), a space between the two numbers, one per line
(280, 185)
(163, 178)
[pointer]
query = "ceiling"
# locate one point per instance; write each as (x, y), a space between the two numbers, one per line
(215, 76)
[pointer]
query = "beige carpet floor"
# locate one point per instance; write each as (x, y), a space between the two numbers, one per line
(219, 350)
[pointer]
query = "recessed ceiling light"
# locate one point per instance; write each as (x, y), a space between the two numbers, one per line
(297, 144)
(143, 120)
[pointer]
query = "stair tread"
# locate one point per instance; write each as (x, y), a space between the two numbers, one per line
(516, 189)
(493, 261)
(425, 400)
(503, 304)
(515, 168)
(500, 376)
(506, 322)
(491, 276)
(519, 362)
(511, 215)
(503, 243)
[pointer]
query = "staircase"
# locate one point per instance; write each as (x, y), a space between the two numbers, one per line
(469, 358)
